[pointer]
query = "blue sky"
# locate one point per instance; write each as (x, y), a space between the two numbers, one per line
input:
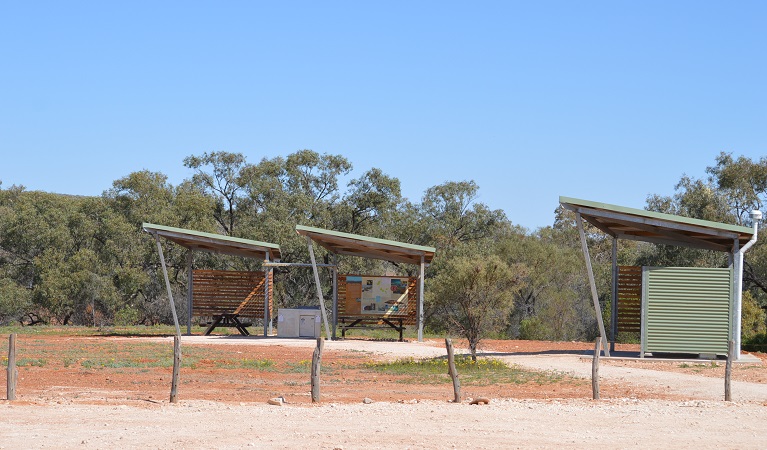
(606, 101)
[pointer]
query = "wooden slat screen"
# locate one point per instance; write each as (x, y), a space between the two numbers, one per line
(348, 305)
(629, 299)
(225, 292)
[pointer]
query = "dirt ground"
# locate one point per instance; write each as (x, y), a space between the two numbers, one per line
(89, 392)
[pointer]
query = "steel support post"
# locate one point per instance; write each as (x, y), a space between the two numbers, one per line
(267, 282)
(167, 285)
(593, 285)
(614, 302)
(319, 287)
(334, 274)
(189, 291)
(420, 300)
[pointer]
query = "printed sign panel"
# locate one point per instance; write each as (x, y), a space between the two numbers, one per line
(377, 295)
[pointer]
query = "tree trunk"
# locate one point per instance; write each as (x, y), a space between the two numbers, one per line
(473, 349)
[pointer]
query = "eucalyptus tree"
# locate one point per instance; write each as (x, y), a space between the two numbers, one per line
(146, 196)
(462, 229)
(454, 215)
(18, 248)
(280, 193)
(734, 187)
(218, 175)
(553, 301)
(54, 258)
(368, 202)
(742, 182)
(312, 184)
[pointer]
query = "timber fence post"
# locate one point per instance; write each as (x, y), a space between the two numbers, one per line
(728, 371)
(452, 371)
(13, 374)
(176, 368)
(316, 363)
(595, 371)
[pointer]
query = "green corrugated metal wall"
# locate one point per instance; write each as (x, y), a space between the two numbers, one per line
(686, 309)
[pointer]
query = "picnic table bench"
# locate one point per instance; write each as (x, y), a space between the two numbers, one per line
(226, 320)
(370, 322)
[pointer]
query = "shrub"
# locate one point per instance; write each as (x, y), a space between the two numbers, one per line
(127, 316)
(753, 318)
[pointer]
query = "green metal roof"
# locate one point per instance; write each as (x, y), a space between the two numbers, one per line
(368, 247)
(649, 226)
(215, 243)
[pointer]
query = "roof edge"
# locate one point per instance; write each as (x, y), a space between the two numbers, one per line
(149, 227)
(657, 215)
(360, 237)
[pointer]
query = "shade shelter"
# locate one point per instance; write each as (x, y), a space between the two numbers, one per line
(339, 243)
(215, 243)
(640, 225)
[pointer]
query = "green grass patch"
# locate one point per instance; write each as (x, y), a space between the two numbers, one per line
(108, 364)
(483, 372)
(265, 365)
(82, 331)
(304, 366)
(699, 367)
(29, 362)
(256, 364)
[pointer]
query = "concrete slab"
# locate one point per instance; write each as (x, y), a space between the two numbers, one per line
(745, 358)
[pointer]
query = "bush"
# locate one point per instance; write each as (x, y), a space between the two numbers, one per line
(756, 343)
(753, 318)
(533, 329)
(127, 316)
(15, 301)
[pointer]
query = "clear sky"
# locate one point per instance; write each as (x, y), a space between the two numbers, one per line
(606, 101)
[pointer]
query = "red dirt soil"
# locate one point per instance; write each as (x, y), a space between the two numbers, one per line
(90, 370)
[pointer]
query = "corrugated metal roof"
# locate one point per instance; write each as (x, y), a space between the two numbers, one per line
(368, 247)
(215, 243)
(649, 226)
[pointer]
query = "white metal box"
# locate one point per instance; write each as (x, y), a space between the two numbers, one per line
(299, 323)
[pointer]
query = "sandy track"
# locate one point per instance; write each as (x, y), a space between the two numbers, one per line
(703, 421)
(689, 386)
(502, 424)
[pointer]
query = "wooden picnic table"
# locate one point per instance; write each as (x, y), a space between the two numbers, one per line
(227, 320)
(370, 322)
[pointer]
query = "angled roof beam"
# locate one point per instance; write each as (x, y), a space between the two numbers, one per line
(660, 240)
(635, 220)
(675, 237)
(600, 226)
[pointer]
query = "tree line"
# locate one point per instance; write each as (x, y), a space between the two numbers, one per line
(85, 260)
